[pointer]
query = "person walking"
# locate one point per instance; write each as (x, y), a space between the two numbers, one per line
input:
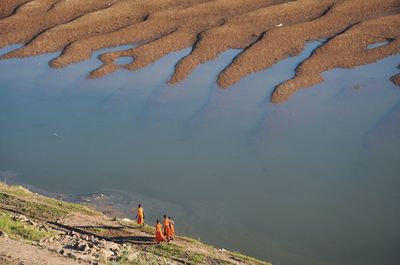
(166, 227)
(159, 234)
(171, 228)
(140, 215)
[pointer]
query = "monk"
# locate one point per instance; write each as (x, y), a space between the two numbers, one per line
(171, 228)
(166, 227)
(159, 235)
(140, 216)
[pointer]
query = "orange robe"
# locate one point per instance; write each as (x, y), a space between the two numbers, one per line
(171, 229)
(140, 220)
(159, 235)
(166, 228)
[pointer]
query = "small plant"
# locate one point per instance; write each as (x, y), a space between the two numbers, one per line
(197, 258)
(168, 250)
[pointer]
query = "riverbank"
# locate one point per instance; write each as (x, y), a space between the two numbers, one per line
(36, 229)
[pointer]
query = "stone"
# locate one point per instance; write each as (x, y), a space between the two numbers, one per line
(3, 234)
(20, 218)
(92, 250)
(93, 246)
(73, 255)
(107, 253)
(83, 247)
(111, 245)
(101, 243)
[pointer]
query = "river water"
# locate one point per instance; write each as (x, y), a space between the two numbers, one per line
(311, 181)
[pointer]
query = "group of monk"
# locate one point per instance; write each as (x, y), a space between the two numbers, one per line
(164, 232)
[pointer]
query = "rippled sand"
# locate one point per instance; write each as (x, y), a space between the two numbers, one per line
(267, 31)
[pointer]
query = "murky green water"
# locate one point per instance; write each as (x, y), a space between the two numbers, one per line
(311, 181)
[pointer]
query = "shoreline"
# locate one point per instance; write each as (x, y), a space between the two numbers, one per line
(121, 205)
(59, 225)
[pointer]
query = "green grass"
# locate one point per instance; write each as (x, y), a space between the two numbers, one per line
(20, 230)
(148, 229)
(197, 258)
(35, 206)
(17, 190)
(32, 209)
(168, 250)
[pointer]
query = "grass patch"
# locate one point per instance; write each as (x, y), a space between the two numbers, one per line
(197, 258)
(168, 250)
(32, 209)
(20, 230)
(17, 190)
(148, 229)
(19, 199)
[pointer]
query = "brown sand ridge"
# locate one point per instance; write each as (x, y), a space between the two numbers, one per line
(267, 30)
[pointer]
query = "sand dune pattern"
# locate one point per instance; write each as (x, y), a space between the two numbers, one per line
(267, 31)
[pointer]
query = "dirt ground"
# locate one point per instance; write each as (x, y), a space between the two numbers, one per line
(98, 235)
(267, 31)
(14, 252)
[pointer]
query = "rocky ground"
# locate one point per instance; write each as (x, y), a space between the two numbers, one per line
(35, 229)
(65, 246)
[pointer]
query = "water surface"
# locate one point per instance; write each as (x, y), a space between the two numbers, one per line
(311, 181)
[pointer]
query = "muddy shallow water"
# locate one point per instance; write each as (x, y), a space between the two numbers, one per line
(311, 181)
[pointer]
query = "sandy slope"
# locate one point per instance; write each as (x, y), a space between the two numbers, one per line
(17, 252)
